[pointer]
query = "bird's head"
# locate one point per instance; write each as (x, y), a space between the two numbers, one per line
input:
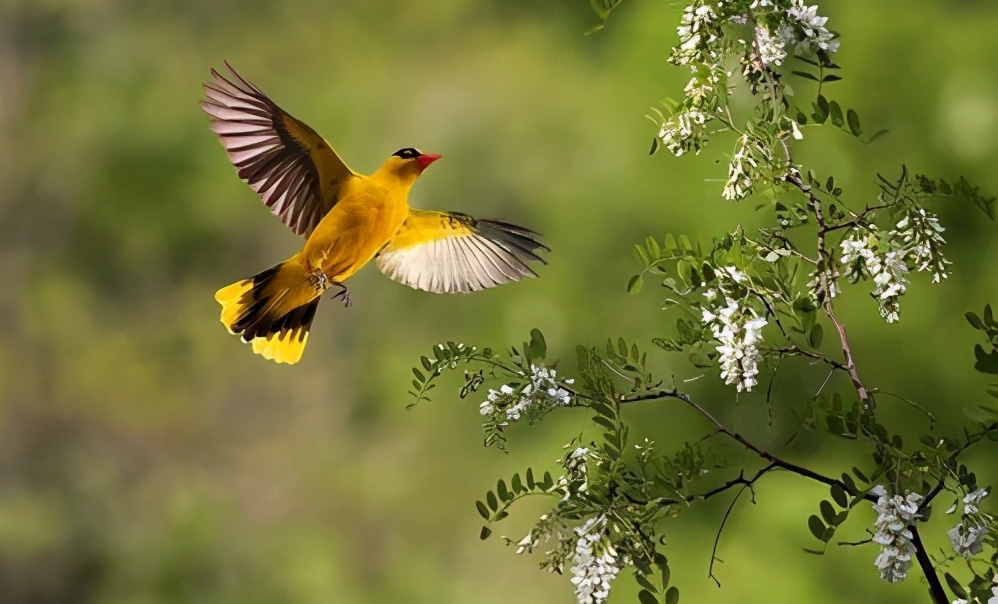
(408, 163)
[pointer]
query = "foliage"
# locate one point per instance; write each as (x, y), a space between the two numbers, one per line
(748, 302)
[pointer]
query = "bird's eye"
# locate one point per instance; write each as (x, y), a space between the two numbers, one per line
(407, 153)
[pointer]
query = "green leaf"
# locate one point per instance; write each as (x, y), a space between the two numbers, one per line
(876, 135)
(987, 362)
(484, 511)
(538, 347)
(816, 526)
(493, 502)
(954, 586)
(426, 363)
(827, 511)
(486, 531)
(653, 248)
(646, 597)
(853, 118)
(663, 568)
(816, 335)
(974, 321)
(654, 146)
(530, 478)
(830, 78)
(805, 75)
(516, 484)
(672, 595)
(835, 112)
(839, 495)
(418, 374)
(635, 284)
(503, 492)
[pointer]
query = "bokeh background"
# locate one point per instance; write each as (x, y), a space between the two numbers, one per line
(147, 457)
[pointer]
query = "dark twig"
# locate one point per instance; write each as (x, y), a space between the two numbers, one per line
(741, 480)
(720, 529)
(935, 587)
(825, 261)
(722, 429)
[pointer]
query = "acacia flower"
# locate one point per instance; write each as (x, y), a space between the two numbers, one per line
(594, 562)
(539, 395)
(967, 537)
(921, 233)
(738, 332)
(894, 517)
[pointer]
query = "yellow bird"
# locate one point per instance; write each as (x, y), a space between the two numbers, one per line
(347, 219)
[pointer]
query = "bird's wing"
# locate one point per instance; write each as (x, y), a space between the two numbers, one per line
(444, 252)
(293, 170)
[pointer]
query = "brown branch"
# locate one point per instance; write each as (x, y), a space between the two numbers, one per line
(935, 587)
(722, 429)
(741, 480)
(824, 262)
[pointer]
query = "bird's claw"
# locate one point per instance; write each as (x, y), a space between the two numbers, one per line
(343, 294)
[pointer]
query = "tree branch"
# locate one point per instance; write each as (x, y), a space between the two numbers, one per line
(824, 262)
(935, 587)
(774, 461)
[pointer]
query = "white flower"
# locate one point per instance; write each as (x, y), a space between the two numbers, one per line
(922, 234)
(795, 131)
(994, 590)
(815, 33)
(695, 23)
(772, 48)
(972, 499)
(542, 393)
(967, 539)
(684, 132)
(738, 332)
(894, 516)
(594, 563)
(824, 284)
(860, 255)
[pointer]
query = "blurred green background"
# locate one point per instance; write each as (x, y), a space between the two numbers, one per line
(148, 457)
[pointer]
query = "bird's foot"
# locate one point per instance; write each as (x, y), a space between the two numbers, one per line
(343, 293)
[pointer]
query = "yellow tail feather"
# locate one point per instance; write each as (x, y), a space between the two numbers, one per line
(273, 311)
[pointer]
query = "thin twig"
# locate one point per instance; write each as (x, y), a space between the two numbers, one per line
(824, 259)
(721, 428)
(741, 480)
(720, 529)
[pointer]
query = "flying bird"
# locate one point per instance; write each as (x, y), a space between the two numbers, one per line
(347, 219)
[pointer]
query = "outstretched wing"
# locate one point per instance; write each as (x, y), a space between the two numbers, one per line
(293, 170)
(444, 252)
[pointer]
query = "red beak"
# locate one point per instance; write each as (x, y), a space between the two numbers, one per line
(426, 159)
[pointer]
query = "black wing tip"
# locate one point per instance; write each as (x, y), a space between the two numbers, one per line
(525, 241)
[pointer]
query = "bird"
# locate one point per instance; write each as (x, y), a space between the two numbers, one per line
(347, 219)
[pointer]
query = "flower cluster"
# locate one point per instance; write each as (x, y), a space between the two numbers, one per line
(824, 285)
(861, 258)
(576, 478)
(535, 398)
(684, 132)
(743, 171)
(698, 28)
(920, 232)
(811, 28)
(594, 563)
(967, 537)
(738, 331)
(894, 516)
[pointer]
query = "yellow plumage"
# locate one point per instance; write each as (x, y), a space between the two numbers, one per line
(347, 218)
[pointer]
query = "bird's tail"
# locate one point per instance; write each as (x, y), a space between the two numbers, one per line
(272, 311)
